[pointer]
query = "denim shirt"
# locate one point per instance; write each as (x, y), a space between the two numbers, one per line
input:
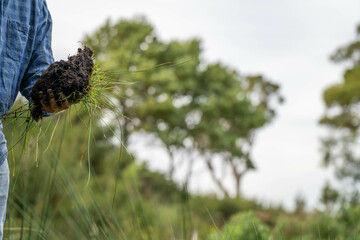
(25, 51)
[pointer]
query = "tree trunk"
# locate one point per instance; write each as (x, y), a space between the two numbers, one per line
(189, 171)
(237, 185)
(237, 174)
(171, 163)
(215, 179)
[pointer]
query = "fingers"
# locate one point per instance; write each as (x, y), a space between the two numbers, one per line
(41, 96)
(52, 105)
(45, 106)
(64, 102)
(52, 100)
(56, 104)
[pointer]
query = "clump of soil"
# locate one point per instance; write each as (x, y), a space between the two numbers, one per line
(69, 77)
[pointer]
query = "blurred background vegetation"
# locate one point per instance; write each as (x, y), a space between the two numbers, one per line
(206, 113)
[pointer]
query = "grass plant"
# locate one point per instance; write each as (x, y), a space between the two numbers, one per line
(43, 193)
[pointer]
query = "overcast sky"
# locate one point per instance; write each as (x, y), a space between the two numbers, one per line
(289, 41)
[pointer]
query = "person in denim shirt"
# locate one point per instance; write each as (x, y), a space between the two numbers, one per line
(25, 52)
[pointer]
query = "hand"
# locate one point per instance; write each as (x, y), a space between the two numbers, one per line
(52, 107)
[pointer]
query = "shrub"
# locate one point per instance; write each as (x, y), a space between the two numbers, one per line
(243, 226)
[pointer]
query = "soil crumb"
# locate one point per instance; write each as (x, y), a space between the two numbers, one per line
(69, 77)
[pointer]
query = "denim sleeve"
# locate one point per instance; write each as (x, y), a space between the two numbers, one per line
(41, 56)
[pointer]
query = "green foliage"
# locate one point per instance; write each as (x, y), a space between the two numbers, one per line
(320, 226)
(205, 109)
(50, 198)
(349, 217)
(243, 226)
(72, 178)
(329, 196)
(325, 227)
(342, 115)
(202, 109)
(291, 227)
(300, 204)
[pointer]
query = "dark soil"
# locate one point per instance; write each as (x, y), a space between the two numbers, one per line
(69, 77)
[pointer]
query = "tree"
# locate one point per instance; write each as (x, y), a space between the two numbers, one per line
(329, 196)
(202, 110)
(300, 204)
(342, 115)
(235, 109)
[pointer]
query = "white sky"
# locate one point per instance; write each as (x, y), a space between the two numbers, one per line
(289, 41)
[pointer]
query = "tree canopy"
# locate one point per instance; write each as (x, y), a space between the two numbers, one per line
(205, 110)
(342, 114)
